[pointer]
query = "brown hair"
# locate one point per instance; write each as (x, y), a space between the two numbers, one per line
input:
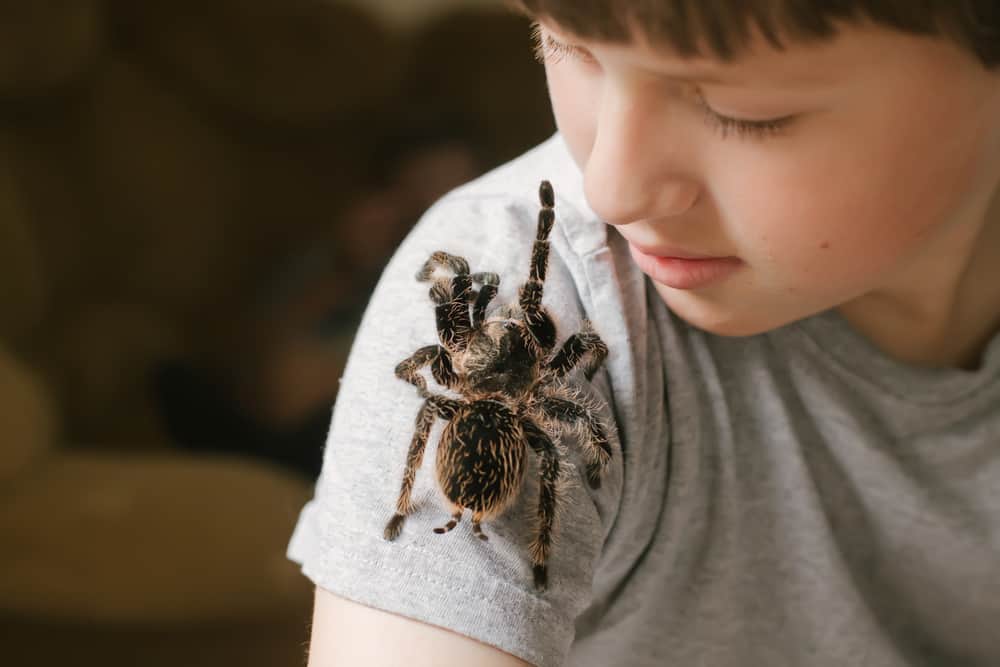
(724, 25)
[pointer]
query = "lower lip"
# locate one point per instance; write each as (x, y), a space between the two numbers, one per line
(685, 273)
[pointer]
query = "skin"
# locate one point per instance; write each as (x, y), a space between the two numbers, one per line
(880, 198)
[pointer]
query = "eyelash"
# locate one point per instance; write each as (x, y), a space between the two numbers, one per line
(547, 48)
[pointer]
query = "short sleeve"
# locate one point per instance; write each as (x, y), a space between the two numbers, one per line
(480, 589)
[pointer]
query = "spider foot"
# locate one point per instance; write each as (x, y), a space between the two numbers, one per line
(546, 194)
(394, 527)
(448, 527)
(456, 264)
(541, 577)
(478, 532)
(486, 278)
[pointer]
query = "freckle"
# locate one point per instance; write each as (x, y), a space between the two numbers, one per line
(825, 245)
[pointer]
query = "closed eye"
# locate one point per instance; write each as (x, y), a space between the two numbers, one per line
(758, 129)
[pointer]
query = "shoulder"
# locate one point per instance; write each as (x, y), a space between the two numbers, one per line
(480, 589)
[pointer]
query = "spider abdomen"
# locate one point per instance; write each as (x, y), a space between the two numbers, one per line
(480, 459)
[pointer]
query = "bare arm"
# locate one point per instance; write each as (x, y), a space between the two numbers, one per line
(345, 633)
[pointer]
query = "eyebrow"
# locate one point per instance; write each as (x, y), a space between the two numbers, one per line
(693, 71)
(690, 71)
(702, 78)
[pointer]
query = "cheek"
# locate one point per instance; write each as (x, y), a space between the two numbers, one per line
(786, 216)
(893, 182)
(828, 215)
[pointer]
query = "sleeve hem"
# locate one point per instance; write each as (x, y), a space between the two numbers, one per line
(368, 570)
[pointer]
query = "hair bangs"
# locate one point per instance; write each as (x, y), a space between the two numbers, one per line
(724, 28)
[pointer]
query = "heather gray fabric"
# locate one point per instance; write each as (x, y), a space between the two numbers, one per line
(792, 498)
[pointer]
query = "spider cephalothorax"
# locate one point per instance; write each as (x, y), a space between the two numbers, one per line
(509, 377)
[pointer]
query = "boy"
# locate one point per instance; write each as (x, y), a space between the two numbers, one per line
(805, 428)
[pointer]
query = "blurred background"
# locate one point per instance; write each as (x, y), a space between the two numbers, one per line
(196, 197)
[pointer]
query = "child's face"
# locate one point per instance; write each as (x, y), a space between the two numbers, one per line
(876, 188)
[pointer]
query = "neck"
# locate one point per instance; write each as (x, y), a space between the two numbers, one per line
(944, 308)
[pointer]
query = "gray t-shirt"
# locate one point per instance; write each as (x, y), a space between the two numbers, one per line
(790, 498)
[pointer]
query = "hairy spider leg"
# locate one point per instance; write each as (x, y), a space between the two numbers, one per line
(454, 322)
(586, 344)
(434, 406)
(448, 527)
(596, 447)
(537, 320)
(477, 529)
(490, 284)
(548, 499)
(483, 299)
(441, 368)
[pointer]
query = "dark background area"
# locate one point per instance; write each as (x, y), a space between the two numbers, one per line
(196, 198)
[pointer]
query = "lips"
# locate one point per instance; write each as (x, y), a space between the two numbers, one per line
(667, 252)
(684, 270)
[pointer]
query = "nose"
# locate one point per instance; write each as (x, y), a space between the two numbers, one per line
(636, 169)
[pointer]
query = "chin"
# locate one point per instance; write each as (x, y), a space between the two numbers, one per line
(717, 319)
(731, 328)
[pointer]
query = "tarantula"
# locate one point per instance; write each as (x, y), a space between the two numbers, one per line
(506, 370)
